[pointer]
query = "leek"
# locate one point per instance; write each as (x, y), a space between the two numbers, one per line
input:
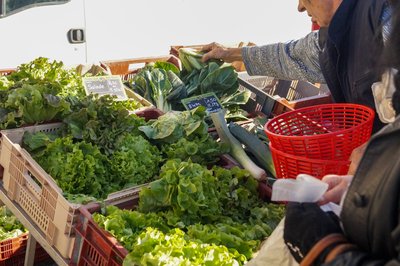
(236, 149)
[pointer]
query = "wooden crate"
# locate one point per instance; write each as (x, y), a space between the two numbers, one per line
(127, 68)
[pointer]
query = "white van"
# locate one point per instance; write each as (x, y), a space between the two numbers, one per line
(87, 31)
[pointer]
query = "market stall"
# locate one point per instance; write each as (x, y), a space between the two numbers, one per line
(157, 160)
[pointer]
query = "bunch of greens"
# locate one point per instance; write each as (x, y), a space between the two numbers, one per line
(66, 82)
(165, 86)
(216, 207)
(37, 92)
(102, 121)
(155, 82)
(81, 170)
(31, 104)
(77, 167)
(185, 189)
(213, 76)
(184, 135)
(42, 91)
(135, 161)
(126, 225)
(155, 248)
(10, 227)
(191, 59)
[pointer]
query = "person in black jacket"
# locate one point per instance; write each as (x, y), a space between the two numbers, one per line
(369, 229)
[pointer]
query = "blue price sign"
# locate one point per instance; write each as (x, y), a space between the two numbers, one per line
(209, 100)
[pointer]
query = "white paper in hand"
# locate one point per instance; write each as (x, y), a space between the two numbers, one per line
(304, 188)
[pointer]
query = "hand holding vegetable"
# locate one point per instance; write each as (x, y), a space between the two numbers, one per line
(217, 51)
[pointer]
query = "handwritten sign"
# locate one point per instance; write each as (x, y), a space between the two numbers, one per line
(102, 85)
(208, 100)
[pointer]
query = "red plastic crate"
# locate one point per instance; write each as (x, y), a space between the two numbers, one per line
(325, 132)
(13, 246)
(13, 250)
(93, 245)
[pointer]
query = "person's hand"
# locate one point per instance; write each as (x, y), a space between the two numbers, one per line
(355, 158)
(337, 186)
(305, 225)
(218, 51)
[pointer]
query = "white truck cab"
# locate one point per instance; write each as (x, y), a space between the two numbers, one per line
(88, 31)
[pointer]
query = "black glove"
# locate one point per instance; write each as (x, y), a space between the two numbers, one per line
(305, 225)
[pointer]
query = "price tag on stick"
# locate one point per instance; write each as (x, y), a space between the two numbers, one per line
(209, 100)
(102, 85)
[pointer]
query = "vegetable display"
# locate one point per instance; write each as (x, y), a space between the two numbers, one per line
(99, 150)
(192, 212)
(218, 209)
(42, 91)
(165, 86)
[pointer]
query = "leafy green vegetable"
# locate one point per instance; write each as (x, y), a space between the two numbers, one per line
(102, 121)
(126, 225)
(78, 168)
(31, 104)
(186, 189)
(167, 66)
(67, 82)
(165, 87)
(135, 161)
(218, 208)
(10, 227)
(191, 59)
(36, 142)
(153, 83)
(204, 151)
(184, 135)
(156, 248)
(220, 80)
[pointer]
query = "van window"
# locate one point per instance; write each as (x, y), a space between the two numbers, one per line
(9, 7)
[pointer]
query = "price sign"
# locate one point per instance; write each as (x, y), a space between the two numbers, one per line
(102, 85)
(208, 100)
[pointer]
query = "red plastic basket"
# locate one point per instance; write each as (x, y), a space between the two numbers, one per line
(327, 132)
(13, 250)
(13, 246)
(289, 166)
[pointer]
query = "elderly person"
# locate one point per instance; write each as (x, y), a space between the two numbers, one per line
(343, 53)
